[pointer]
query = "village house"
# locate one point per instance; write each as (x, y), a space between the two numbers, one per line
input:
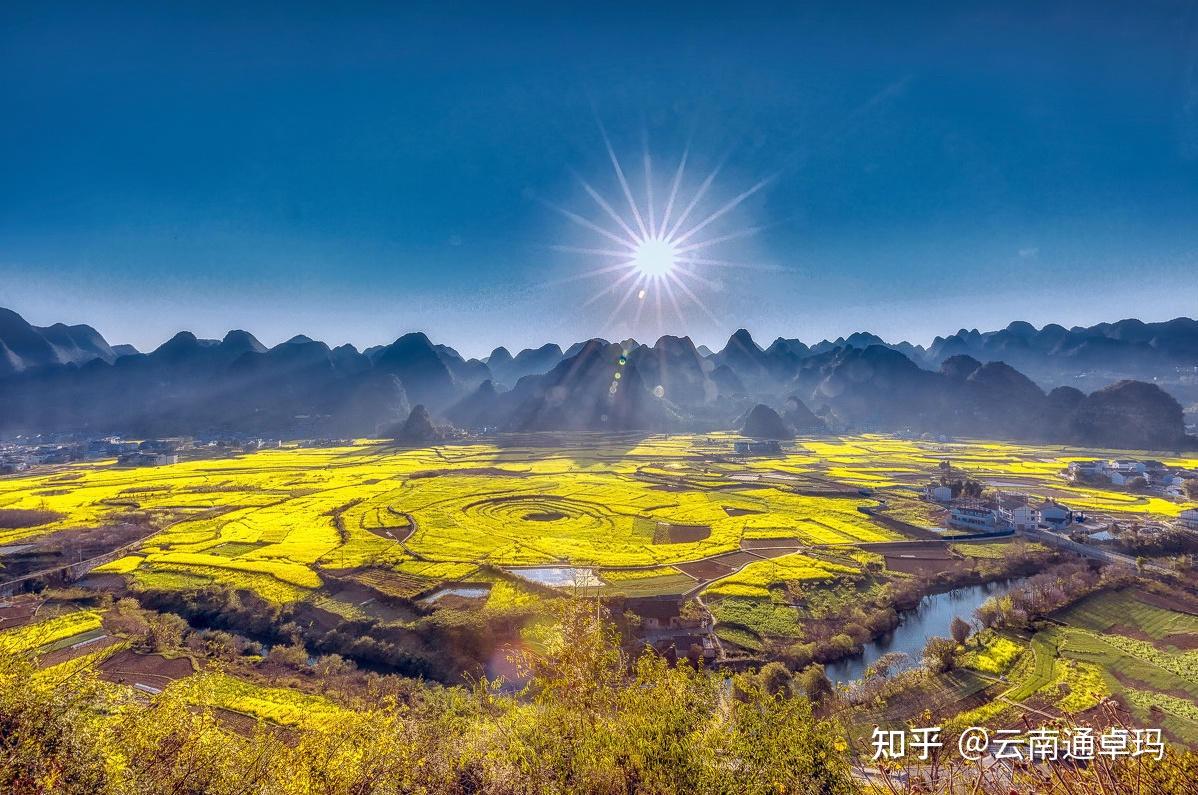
(110, 447)
(1188, 519)
(1055, 515)
(1163, 478)
(938, 493)
(672, 648)
(142, 459)
(1087, 470)
(1017, 511)
(974, 517)
(1124, 471)
(658, 614)
(12, 465)
(767, 447)
(1122, 477)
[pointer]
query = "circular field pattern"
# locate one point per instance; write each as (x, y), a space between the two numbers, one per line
(557, 514)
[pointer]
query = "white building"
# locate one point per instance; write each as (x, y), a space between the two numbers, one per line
(1121, 478)
(1018, 513)
(940, 494)
(1188, 519)
(971, 517)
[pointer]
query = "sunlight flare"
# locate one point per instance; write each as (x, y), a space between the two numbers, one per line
(655, 257)
(658, 247)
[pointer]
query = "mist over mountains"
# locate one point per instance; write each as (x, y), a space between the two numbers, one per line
(1096, 385)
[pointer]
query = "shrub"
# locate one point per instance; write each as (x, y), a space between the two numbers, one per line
(799, 655)
(289, 656)
(938, 654)
(959, 629)
(813, 682)
(165, 631)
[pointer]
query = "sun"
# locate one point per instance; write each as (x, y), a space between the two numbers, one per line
(656, 249)
(655, 257)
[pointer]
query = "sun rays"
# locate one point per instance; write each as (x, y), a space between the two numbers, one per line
(650, 248)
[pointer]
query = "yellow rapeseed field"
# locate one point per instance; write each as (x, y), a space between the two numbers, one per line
(281, 521)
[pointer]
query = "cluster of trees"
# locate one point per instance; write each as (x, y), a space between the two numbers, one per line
(1156, 543)
(1044, 593)
(963, 487)
(441, 646)
(855, 627)
(860, 622)
(586, 723)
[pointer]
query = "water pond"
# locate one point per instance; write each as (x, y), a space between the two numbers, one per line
(560, 576)
(464, 591)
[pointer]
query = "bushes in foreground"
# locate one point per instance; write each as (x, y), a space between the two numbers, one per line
(584, 723)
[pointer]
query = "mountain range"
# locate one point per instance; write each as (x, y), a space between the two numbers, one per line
(1017, 383)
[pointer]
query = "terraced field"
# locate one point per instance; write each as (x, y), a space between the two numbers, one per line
(280, 522)
(283, 522)
(47, 632)
(772, 546)
(1110, 643)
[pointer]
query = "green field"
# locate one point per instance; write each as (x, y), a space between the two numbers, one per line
(1113, 642)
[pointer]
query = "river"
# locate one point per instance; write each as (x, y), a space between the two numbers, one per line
(931, 618)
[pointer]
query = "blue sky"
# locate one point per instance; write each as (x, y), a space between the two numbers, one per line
(358, 172)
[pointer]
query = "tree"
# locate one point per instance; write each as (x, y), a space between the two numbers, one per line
(886, 665)
(129, 621)
(814, 683)
(882, 620)
(1191, 488)
(292, 655)
(987, 613)
(221, 645)
(774, 678)
(938, 654)
(799, 655)
(165, 631)
(959, 629)
(858, 633)
(333, 665)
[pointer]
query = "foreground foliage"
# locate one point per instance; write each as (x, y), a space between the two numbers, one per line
(582, 724)
(585, 722)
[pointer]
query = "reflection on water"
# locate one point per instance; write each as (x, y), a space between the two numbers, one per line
(930, 619)
(560, 576)
(464, 591)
